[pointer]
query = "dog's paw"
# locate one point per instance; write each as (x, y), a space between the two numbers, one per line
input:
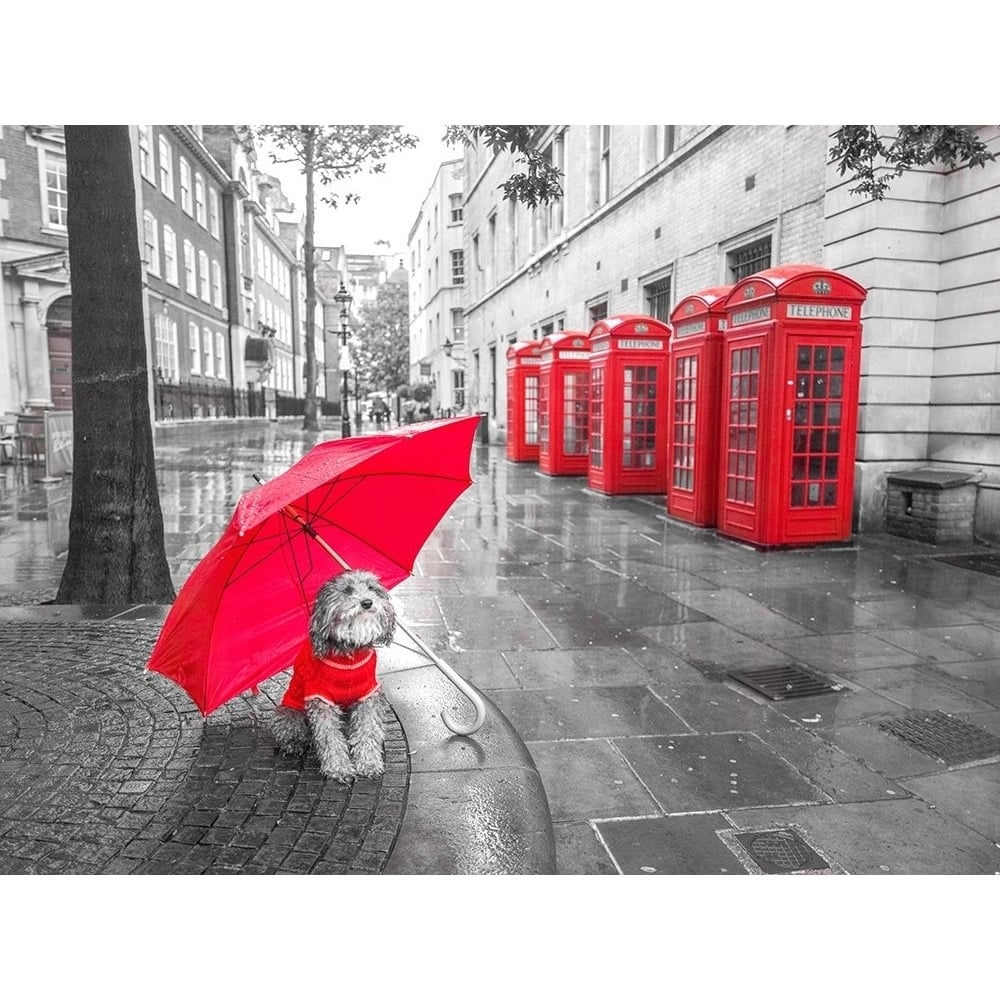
(368, 761)
(344, 777)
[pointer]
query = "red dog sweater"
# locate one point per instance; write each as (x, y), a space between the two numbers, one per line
(339, 680)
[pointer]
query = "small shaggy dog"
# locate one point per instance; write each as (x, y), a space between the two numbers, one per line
(333, 700)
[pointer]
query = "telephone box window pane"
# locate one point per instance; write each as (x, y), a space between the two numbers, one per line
(742, 436)
(815, 448)
(639, 417)
(575, 422)
(685, 388)
(837, 387)
(543, 413)
(531, 409)
(597, 419)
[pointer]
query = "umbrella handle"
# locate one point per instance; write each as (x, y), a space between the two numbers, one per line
(459, 682)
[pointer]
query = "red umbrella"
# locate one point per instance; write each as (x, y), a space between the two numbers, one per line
(367, 503)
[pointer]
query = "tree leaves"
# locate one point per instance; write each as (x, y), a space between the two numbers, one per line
(339, 151)
(539, 184)
(874, 161)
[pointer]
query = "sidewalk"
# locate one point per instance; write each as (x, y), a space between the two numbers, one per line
(603, 635)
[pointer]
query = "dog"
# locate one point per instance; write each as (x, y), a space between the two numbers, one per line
(334, 702)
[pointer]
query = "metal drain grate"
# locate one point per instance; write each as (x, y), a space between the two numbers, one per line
(779, 683)
(951, 741)
(778, 852)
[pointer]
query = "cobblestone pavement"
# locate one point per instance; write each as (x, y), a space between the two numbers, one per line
(107, 769)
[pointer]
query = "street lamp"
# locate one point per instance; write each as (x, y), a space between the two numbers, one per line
(458, 391)
(343, 299)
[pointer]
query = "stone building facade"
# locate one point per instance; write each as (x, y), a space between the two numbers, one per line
(437, 290)
(653, 213)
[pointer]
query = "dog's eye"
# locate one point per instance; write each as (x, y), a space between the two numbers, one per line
(348, 590)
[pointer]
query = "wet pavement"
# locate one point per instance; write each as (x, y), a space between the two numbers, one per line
(602, 634)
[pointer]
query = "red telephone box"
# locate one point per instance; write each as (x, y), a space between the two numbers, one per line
(791, 361)
(628, 405)
(563, 404)
(523, 361)
(695, 387)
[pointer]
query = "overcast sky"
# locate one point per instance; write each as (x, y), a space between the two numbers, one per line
(389, 202)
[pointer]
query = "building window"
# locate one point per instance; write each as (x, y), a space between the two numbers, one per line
(190, 278)
(457, 326)
(146, 152)
(213, 212)
(557, 156)
(597, 311)
(748, 259)
(170, 256)
(199, 200)
(260, 257)
(458, 267)
(185, 178)
(456, 207)
(604, 176)
(667, 139)
(194, 346)
(208, 346)
(658, 299)
(55, 189)
(203, 279)
(216, 284)
(165, 330)
(166, 168)
(492, 234)
(151, 243)
(220, 355)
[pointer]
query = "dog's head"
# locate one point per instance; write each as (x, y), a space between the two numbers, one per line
(352, 611)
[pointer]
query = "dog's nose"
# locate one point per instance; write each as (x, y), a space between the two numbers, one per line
(367, 604)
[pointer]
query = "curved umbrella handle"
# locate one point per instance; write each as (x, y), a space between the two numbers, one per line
(459, 682)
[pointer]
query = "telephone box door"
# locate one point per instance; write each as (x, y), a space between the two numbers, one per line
(628, 411)
(563, 404)
(523, 360)
(792, 362)
(695, 390)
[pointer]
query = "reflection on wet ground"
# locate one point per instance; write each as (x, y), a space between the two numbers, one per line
(604, 631)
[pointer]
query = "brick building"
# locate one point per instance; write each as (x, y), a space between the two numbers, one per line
(35, 301)
(652, 213)
(222, 251)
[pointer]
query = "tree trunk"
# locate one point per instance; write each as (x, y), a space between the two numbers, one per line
(116, 549)
(311, 421)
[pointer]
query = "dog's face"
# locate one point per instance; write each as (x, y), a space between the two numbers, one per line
(352, 611)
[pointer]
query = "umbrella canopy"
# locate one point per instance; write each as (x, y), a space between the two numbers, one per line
(244, 610)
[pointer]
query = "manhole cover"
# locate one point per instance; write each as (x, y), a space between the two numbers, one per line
(982, 562)
(779, 683)
(780, 851)
(951, 741)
